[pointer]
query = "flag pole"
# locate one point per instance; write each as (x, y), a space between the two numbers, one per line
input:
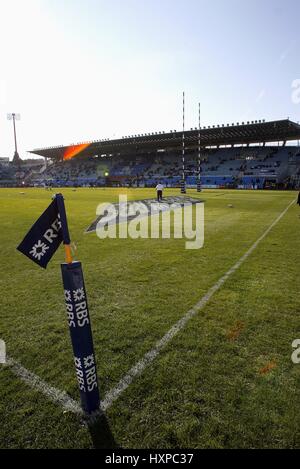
(39, 245)
(64, 226)
(79, 321)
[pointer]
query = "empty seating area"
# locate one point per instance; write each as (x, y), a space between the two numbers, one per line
(71, 173)
(242, 167)
(7, 176)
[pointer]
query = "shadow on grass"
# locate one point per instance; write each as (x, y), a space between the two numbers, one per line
(101, 434)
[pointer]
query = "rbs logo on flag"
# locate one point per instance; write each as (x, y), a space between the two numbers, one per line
(44, 238)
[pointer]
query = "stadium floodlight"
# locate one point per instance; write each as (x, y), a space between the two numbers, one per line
(12, 116)
(15, 117)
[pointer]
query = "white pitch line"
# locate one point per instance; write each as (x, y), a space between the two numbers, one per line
(149, 357)
(70, 405)
(35, 382)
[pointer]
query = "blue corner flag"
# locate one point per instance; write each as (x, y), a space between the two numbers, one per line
(44, 238)
(39, 245)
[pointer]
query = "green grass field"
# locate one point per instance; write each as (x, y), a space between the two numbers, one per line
(225, 381)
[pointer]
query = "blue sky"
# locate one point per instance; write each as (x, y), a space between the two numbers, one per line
(88, 69)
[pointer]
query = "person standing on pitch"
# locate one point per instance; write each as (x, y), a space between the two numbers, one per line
(298, 199)
(159, 190)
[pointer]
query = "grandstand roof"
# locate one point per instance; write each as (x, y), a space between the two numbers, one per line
(239, 134)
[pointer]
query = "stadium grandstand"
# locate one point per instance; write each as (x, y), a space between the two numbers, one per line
(251, 155)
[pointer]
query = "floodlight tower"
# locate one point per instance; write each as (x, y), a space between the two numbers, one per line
(15, 117)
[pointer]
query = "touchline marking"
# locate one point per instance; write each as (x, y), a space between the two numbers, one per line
(35, 382)
(70, 405)
(149, 357)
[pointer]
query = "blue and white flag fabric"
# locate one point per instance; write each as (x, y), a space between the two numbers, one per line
(44, 238)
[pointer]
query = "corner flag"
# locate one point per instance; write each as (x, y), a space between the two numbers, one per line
(39, 245)
(44, 238)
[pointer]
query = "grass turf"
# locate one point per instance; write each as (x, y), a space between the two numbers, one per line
(225, 381)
